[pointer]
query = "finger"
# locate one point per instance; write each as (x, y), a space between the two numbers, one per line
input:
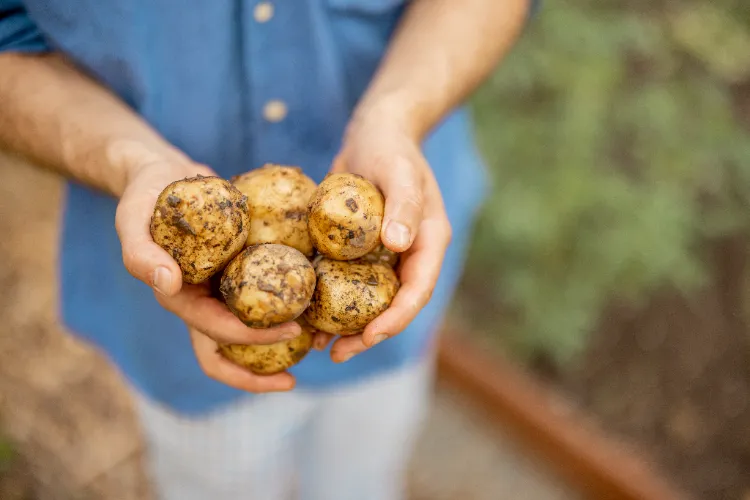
(404, 200)
(143, 258)
(321, 340)
(346, 347)
(338, 165)
(419, 273)
(221, 369)
(195, 305)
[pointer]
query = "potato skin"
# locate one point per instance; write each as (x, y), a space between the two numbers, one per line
(202, 222)
(382, 254)
(267, 285)
(345, 216)
(278, 196)
(272, 358)
(350, 294)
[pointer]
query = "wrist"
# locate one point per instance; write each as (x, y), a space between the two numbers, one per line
(396, 112)
(130, 157)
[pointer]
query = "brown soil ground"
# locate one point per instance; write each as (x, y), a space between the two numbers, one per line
(676, 378)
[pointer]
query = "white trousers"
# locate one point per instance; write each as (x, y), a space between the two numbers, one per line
(351, 444)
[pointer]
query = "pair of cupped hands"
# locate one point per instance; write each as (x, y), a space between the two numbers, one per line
(415, 224)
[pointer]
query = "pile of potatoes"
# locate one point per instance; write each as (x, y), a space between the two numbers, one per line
(275, 247)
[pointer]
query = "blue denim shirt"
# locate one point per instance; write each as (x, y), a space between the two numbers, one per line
(203, 75)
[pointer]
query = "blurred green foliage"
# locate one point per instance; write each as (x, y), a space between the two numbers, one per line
(614, 148)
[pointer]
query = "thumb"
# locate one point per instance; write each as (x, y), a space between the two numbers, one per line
(404, 199)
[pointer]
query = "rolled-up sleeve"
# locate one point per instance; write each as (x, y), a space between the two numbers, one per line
(18, 32)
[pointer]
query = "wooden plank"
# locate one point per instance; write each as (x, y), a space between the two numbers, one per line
(586, 458)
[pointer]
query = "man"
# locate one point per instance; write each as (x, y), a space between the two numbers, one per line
(124, 97)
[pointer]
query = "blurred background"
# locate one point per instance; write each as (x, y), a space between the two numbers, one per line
(611, 263)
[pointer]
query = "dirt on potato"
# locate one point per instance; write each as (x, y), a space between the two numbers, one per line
(383, 255)
(203, 223)
(271, 358)
(350, 294)
(278, 196)
(267, 285)
(345, 216)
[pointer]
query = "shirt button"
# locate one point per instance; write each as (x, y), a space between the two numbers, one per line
(263, 12)
(274, 111)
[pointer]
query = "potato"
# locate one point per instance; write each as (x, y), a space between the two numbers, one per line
(382, 254)
(345, 216)
(350, 294)
(271, 358)
(277, 197)
(268, 284)
(203, 223)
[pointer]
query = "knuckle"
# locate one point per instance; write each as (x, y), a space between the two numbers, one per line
(227, 336)
(211, 370)
(447, 232)
(169, 304)
(118, 221)
(206, 367)
(119, 217)
(424, 298)
(254, 387)
(210, 365)
(162, 300)
(242, 335)
(210, 333)
(413, 196)
(130, 261)
(382, 163)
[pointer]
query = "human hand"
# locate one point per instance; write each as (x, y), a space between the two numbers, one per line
(414, 223)
(209, 321)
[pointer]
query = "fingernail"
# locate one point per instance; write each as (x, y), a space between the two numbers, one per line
(347, 357)
(379, 338)
(397, 233)
(162, 280)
